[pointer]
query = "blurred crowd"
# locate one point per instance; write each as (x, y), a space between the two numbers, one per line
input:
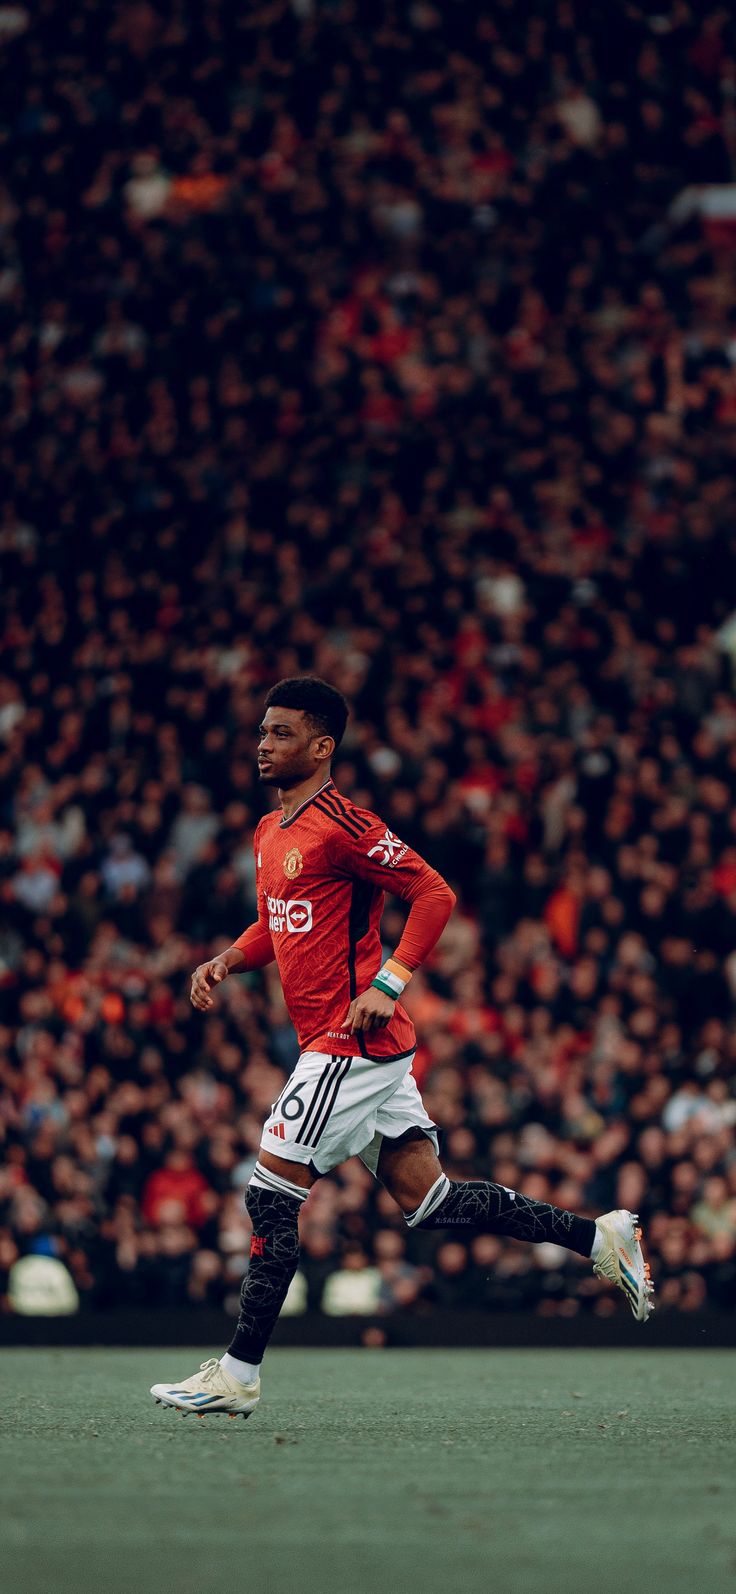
(364, 339)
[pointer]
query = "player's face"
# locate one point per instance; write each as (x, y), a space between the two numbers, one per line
(289, 752)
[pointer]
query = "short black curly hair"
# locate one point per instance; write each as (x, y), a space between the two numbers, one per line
(322, 704)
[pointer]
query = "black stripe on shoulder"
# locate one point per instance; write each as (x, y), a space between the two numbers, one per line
(349, 814)
(343, 819)
(335, 800)
(349, 829)
(349, 810)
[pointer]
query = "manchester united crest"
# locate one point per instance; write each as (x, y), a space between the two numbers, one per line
(293, 863)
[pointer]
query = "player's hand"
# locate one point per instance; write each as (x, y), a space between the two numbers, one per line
(373, 1010)
(204, 979)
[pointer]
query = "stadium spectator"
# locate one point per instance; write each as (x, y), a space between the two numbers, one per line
(366, 339)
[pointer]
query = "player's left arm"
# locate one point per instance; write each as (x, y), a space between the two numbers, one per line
(389, 864)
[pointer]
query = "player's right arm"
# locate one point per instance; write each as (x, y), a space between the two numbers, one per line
(252, 950)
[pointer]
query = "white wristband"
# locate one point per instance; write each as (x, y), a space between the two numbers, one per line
(390, 980)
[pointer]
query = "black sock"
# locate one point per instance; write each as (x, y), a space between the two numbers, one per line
(493, 1209)
(274, 1256)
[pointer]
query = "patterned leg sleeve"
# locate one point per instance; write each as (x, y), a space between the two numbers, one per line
(493, 1209)
(274, 1256)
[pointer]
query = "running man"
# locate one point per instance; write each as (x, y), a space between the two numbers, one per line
(322, 866)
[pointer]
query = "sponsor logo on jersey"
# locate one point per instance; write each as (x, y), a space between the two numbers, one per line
(294, 917)
(293, 863)
(278, 1130)
(389, 850)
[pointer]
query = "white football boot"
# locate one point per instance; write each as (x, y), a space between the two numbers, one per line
(621, 1260)
(210, 1391)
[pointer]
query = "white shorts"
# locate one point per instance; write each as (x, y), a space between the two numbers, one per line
(336, 1107)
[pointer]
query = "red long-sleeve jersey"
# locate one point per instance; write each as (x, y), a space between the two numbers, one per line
(321, 877)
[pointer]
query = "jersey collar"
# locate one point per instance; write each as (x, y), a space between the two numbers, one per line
(284, 823)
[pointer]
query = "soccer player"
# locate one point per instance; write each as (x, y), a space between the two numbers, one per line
(322, 866)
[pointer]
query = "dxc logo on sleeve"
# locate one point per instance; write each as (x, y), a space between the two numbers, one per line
(295, 917)
(389, 850)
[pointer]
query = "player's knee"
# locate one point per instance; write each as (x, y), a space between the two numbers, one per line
(409, 1168)
(407, 1189)
(273, 1202)
(429, 1204)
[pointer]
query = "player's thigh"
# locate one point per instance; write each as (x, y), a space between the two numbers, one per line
(409, 1167)
(296, 1172)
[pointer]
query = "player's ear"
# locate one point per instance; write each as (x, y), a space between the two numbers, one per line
(324, 747)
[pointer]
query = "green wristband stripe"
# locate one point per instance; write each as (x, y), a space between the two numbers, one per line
(389, 981)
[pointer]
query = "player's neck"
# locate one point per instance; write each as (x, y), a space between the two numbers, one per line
(296, 795)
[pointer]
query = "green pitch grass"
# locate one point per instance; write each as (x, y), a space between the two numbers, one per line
(373, 1472)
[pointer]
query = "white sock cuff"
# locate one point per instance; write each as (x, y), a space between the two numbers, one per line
(266, 1180)
(244, 1372)
(432, 1200)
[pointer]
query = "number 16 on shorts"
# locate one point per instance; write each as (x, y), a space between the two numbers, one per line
(302, 1112)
